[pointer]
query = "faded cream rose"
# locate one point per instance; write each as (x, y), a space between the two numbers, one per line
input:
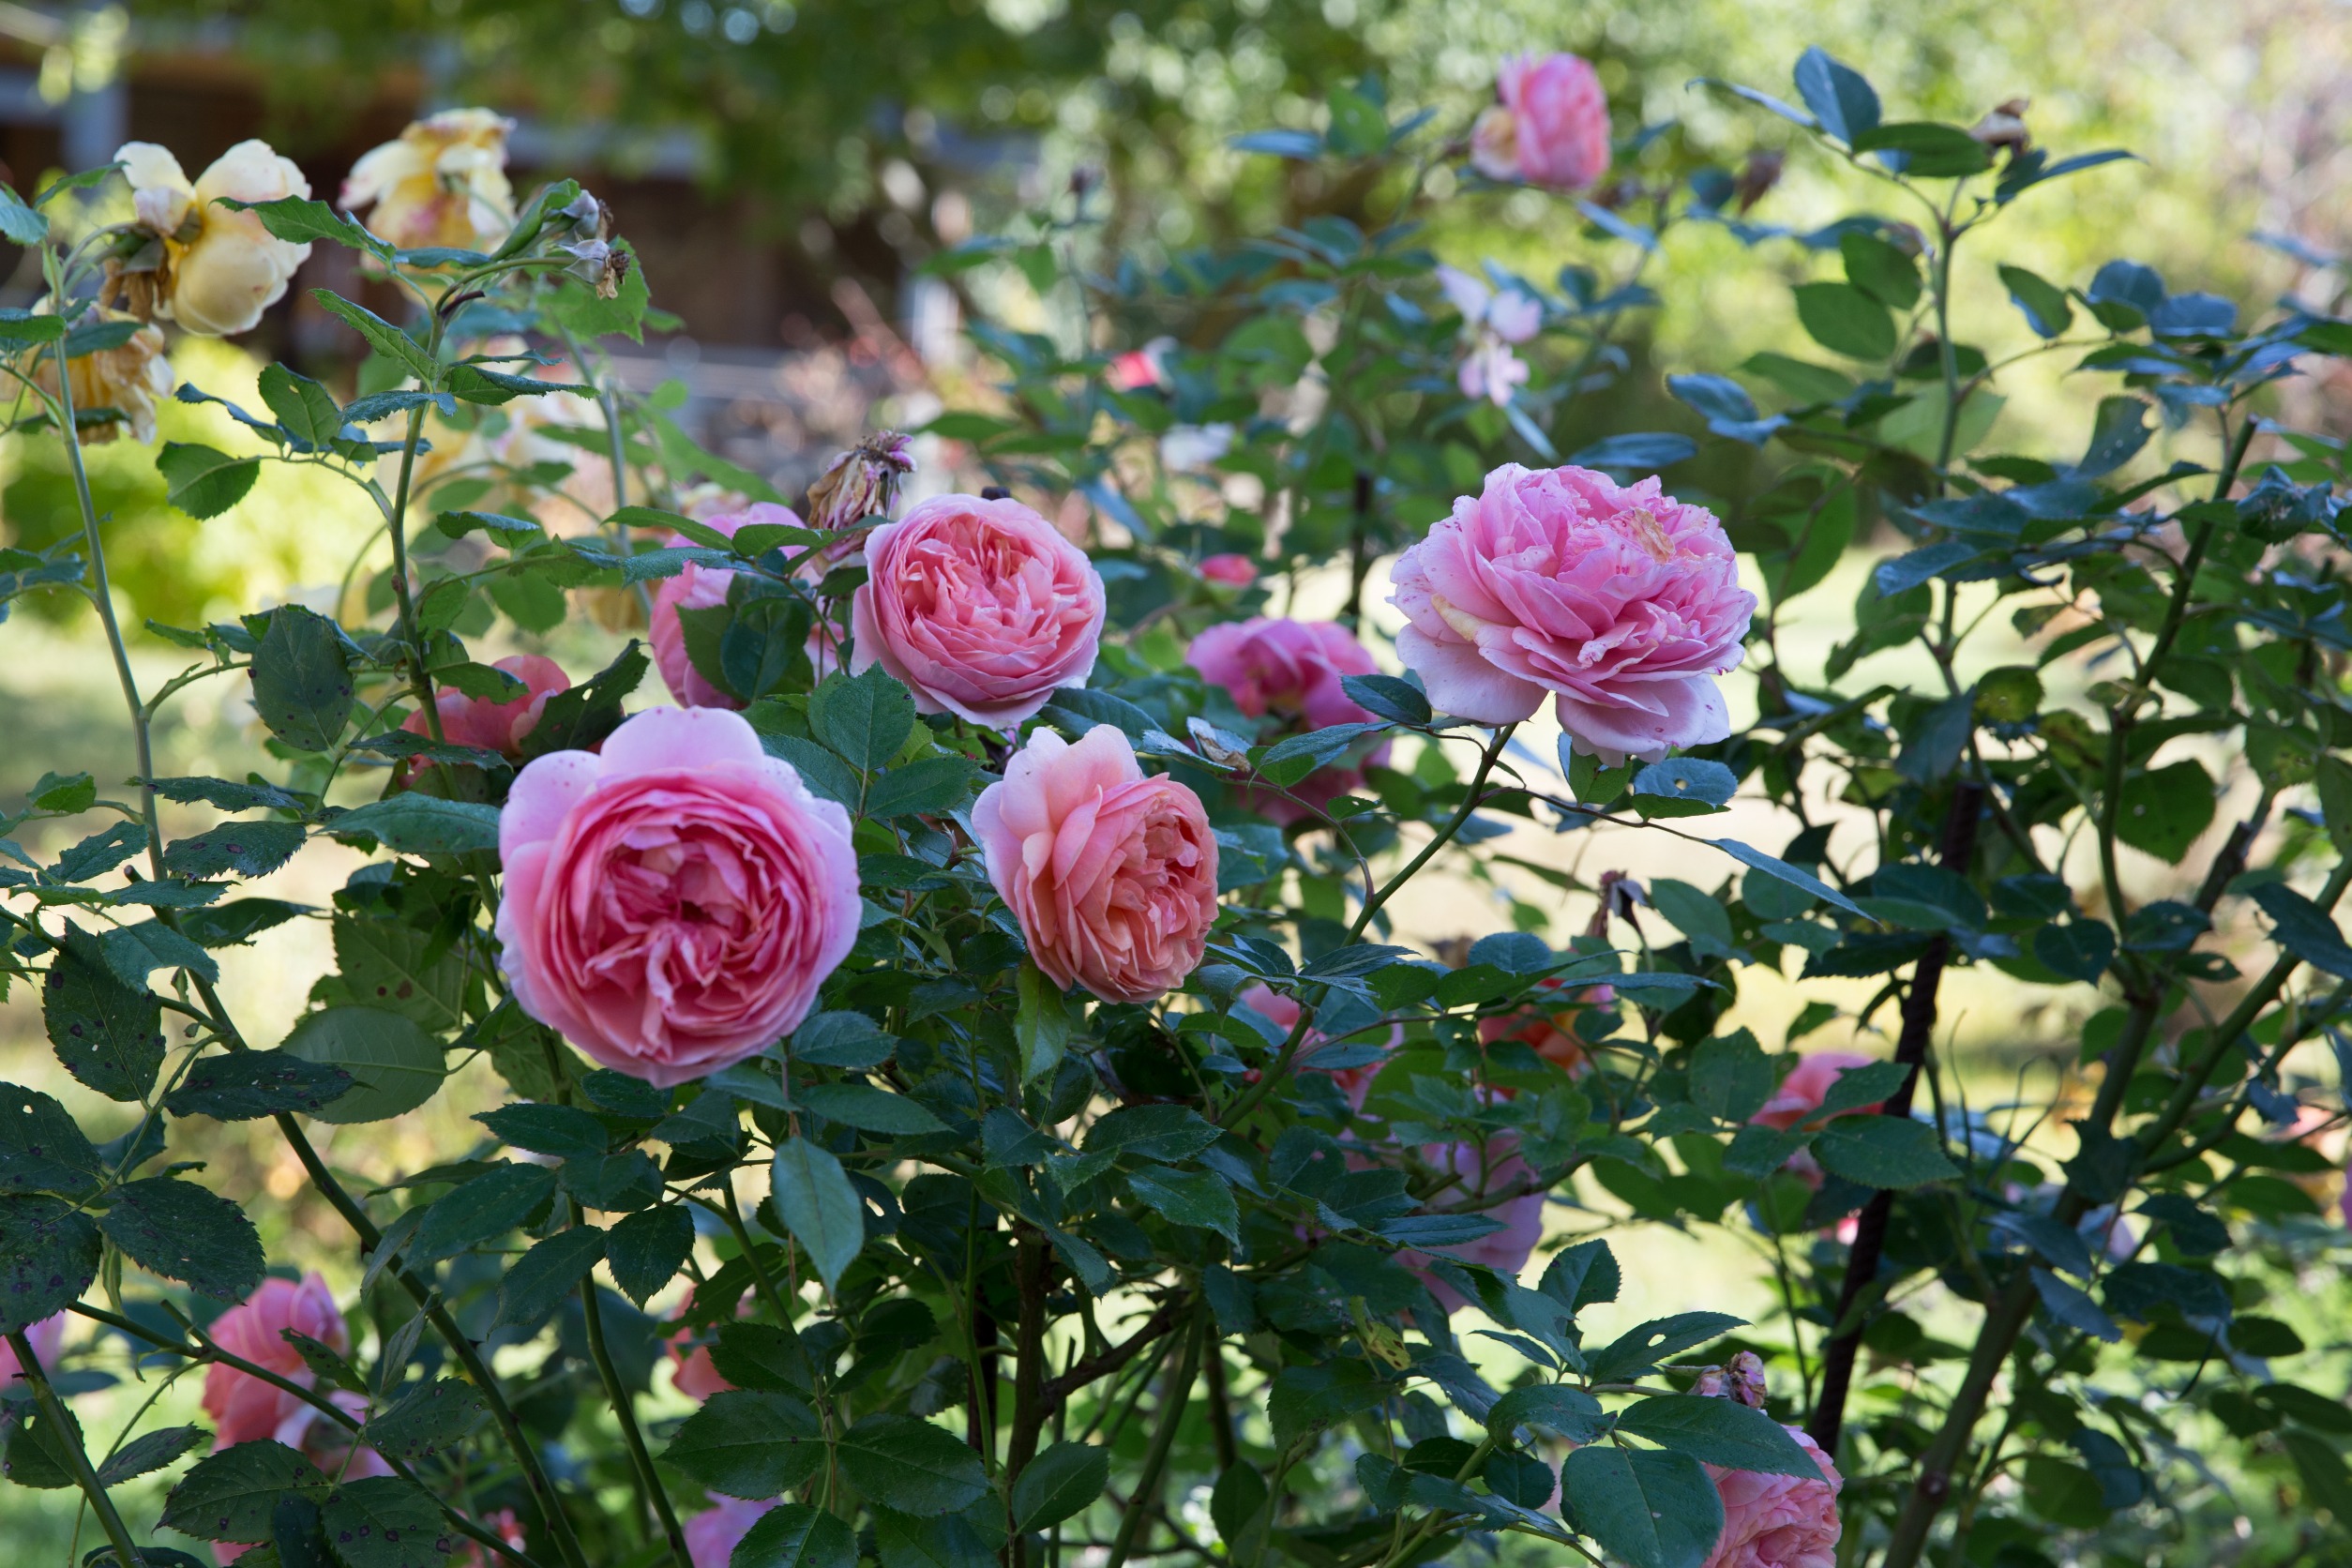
(221, 267)
(442, 183)
(127, 379)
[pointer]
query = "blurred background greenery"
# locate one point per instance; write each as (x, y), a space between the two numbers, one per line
(785, 170)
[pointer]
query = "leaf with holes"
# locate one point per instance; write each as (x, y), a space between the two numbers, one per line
(257, 1083)
(228, 1495)
(1646, 1345)
(180, 1230)
(108, 1034)
(41, 1148)
(2163, 811)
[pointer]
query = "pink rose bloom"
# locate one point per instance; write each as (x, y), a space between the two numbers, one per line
(45, 1337)
(697, 1376)
(1552, 126)
(672, 904)
(1621, 600)
(702, 588)
(494, 725)
(1506, 1250)
(980, 607)
(711, 1535)
(1291, 671)
(1807, 1085)
(243, 1407)
(1234, 571)
(1778, 1521)
(1282, 1012)
(1549, 1028)
(1112, 876)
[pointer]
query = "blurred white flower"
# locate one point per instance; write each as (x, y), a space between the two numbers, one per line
(1191, 448)
(1492, 321)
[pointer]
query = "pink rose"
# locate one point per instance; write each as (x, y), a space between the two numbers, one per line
(1620, 599)
(1234, 571)
(44, 1336)
(494, 725)
(1283, 1013)
(1549, 1028)
(1506, 1250)
(980, 607)
(704, 588)
(697, 1376)
(1291, 671)
(1112, 876)
(243, 1407)
(1778, 1521)
(713, 1535)
(672, 904)
(1807, 1085)
(1552, 126)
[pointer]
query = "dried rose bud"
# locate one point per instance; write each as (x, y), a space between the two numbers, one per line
(861, 482)
(2005, 126)
(1741, 1380)
(1761, 172)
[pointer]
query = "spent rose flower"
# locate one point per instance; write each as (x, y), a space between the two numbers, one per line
(673, 902)
(713, 1535)
(221, 267)
(1550, 129)
(1114, 876)
(1740, 1379)
(128, 378)
(488, 723)
(443, 182)
(1234, 571)
(980, 607)
(1619, 599)
(243, 1407)
(861, 482)
(44, 1337)
(699, 587)
(1778, 1521)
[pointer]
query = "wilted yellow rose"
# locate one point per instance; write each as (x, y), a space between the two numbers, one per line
(221, 268)
(444, 182)
(127, 379)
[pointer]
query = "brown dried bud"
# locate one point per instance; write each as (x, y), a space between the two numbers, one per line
(1740, 1380)
(1757, 177)
(861, 482)
(2005, 126)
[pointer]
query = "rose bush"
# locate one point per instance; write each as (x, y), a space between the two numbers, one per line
(996, 1033)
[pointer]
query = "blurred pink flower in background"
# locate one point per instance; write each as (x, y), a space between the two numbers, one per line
(1550, 129)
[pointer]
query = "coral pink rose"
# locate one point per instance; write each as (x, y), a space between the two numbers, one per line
(713, 1535)
(672, 904)
(1807, 1085)
(697, 1376)
(700, 587)
(494, 725)
(1778, 1521)
(1552, 126)
(1549, 1028)
(1506, 1250)
(243, 1407)
(44, 1336)
(1234, 571)
(1621, 600)
(980, 607)
(1112, 876)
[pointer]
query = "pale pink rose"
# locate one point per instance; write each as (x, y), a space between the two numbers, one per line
(1807, 1085)
(980, 607)
(243, 1407)
(1492, 371)
(492, 725)
(1282, 1012)
(699, 587)
(1552, 126)
(1234, 571)
(1506, 1250)
(45, 1337)
(1778, 1521)
(1621, 600)
(711, 1535)
(1114, 876)
(672, 903)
